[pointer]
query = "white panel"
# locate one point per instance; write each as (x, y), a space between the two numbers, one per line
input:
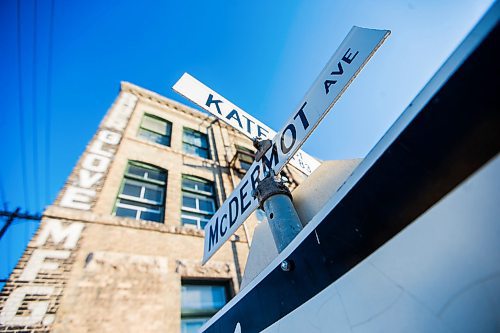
(440, 274)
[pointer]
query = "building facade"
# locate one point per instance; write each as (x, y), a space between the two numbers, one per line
(120, 248)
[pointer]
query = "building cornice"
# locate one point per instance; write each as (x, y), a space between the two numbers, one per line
(162, 100)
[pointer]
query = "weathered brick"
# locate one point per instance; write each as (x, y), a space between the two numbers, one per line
(125, 275)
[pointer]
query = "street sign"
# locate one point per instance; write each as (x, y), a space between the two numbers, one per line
(226, 111)
(353, 53)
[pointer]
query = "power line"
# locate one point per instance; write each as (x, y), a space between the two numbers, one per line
(16, 215)
(48, 101)
(35, 165)
(21, 108)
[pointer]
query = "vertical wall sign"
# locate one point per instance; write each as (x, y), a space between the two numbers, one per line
(31, 297)
(90, 173)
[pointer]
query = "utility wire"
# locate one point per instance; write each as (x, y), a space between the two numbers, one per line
(49, 106)
(35, 167)
(11, 216)
(21, 108)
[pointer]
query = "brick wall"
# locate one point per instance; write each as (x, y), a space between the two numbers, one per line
(32, 295)
(89, 271)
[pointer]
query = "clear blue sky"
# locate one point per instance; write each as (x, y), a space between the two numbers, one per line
(262, 55)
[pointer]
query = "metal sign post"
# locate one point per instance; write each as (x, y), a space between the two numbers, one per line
(276, 201)
(353, 53)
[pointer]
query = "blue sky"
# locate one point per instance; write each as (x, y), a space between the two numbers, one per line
(262, 55)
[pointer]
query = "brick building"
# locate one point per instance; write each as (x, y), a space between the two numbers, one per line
(120, 248)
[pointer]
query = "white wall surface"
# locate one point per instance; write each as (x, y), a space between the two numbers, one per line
(440, 274)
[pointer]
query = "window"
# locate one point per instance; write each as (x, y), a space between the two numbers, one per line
(245, 156)
(199, 302)
(198, 204)
(195, 143)
(155, 129)
(142, 194)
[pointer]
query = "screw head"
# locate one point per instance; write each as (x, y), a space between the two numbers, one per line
(286, 266)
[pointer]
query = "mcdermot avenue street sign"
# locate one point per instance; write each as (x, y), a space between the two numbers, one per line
(353, 53)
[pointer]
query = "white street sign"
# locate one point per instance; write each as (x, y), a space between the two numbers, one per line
(354, 52)
(223, 109)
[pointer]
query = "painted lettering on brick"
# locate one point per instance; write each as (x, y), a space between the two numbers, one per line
(98, 157)
(38, 292)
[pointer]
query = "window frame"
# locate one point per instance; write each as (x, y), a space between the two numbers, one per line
(197, 194)
(141, 200)
(184, 142)
(197, 198)
(138, 210)
(141, 127)
(205, 314)
(199, 220)
(246, 152)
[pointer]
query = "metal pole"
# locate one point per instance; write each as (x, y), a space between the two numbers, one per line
(276, 201)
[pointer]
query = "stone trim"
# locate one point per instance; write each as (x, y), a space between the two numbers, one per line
(206, 161)
(146, 95)
(193, 269)
(90, 217)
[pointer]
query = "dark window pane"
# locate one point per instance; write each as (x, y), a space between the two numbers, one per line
(207, 187)
(140, 185)
(131, 189)
(187, 136)
(202, 298)
(154, 137)
(192, 325)
(199, 302)
(245, 166)
(201, 152)
(149, 216)
(245, 158)
(138, 204)
(197, 185)
(189, 221)
(136, 170)
(195, 143)
(154, 194)
(146, 172)
(244, 150)
(202, 202)
(189, 183)
(188, 202)
(125, 212)
(189, 149)
(157, 175)
(206, 205)
(156, 130)
(156, 125)
(196, 215)
(203, 141)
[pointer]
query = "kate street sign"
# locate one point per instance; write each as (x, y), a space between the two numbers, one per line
(353, 53)
(226, 111)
